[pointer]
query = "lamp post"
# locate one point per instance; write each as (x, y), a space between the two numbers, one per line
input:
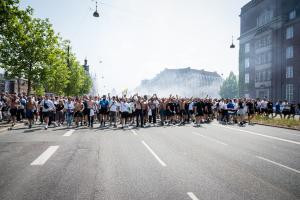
(232, 46)
(96, 14)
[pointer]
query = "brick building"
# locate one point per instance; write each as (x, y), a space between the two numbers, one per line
(269, 58)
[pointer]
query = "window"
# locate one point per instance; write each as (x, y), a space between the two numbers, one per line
(269, 40)
(247, 48)
(264, 41)
(290, 32)
(289, 52)
(263, 58)
(290, 72)
(257, 77)
(269, 75)
(247, 78)
(264, 75)
(265, 17)
(247, 63)
(289, 92)
(292, 15)
(269, 57)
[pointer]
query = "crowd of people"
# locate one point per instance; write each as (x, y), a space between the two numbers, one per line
(139, 111)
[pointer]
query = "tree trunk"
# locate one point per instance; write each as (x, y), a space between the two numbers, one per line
(18, 85)
(29, 80)
(29, 87)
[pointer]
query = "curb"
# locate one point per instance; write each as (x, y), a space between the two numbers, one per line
(284, 127)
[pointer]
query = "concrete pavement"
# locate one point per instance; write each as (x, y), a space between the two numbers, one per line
(210, 162)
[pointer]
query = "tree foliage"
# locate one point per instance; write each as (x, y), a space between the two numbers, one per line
(229, 88)
(30, 49)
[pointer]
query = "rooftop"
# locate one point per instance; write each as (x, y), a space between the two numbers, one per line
(250, 5)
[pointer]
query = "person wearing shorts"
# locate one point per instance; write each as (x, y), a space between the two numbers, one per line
(124, 107)
(241, 113)
(47, 109)
(13, 108)
(30, 107)
(113, 106)
(251, 110)
(86, 110)
(162, 111)
(103, 104)
(78, 112)
(199, 113)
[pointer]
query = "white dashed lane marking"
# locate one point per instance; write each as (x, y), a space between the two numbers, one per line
(133, 131)
(192, 196)
(42, 159)
(154, 154)
(278, 164)
(262, 135)
(69, 133)
(209, 138)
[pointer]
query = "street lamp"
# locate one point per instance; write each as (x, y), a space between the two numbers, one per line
(96, 14)
(232, 46)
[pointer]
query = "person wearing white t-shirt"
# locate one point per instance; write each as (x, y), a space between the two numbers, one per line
(112, 106)
(47, 107)
(124, 108)
(69, 108)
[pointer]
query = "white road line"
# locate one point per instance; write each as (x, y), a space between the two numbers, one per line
(192, 196)
(209, 138)
(154, 154)
(133, 131)
(69, 133)
(262, 135)
(42, 159)
(278, 164)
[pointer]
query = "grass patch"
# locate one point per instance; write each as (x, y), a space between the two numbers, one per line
(290, 123)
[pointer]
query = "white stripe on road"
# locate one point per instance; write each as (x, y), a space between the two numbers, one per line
(192, 196)
(278, 164)
(154, 154)
(69, 133)
(42, 159)
(262, 135)
(209, 138)
(133, 131)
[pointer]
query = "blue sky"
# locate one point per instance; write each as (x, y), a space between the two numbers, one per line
(136, 39)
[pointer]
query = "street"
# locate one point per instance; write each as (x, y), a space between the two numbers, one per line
(211, 162)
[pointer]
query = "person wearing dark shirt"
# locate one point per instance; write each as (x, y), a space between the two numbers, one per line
(251, 110)
(293, 111)
(199, 107)
(269, 109)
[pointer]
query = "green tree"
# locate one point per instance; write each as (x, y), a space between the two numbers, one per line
(24, 52)
(75, 79)
(87, 85)
(229, 88)
(57, 73)
(30, 49)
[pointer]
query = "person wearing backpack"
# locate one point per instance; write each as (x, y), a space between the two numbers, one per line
(47, 108)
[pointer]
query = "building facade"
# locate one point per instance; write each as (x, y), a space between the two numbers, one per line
(269, 57)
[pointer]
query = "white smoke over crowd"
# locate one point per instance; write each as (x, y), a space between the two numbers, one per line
(184, 82)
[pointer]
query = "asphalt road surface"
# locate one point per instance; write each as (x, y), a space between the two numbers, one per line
(210, 162)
